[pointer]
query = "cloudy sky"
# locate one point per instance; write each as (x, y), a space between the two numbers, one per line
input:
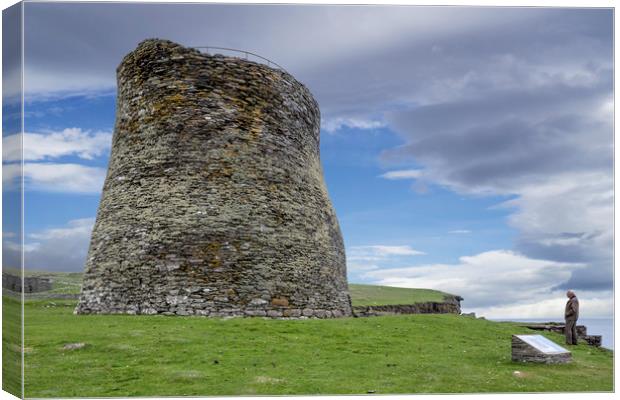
(465, 149)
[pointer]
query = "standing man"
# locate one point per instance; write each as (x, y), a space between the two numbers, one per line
(570, 317)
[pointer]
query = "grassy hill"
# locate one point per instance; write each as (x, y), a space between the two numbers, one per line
(361, 295)
(169, 356)
(372, 295)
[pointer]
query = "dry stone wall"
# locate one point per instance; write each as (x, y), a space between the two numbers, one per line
(214, 203)
(582, 331)
(32, 284)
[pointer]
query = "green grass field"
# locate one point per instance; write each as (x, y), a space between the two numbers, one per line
(11, 346)
(171, 356)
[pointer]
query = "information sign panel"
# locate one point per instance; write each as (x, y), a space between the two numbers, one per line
(542, 344)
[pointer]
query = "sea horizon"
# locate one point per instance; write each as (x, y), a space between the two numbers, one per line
(595, 326)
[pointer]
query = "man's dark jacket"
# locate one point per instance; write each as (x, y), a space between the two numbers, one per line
(572, 309)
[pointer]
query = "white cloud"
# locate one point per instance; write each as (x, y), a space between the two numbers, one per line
(332, 125)
(571, 202)
(53, 177)
(48, 145)
(379, 252)
(497, 279)
(11, 246)
(569, 218)
(81, 58)
(12, 252)
(395, 250)
(597, 304)
(403, 174)
(42, 84)
(54, 249)
(460, 232)
(360, 266)
(12, 82)
(368, 258)
(76, 227)
(542, 136)
(60, 249)
(11, 173)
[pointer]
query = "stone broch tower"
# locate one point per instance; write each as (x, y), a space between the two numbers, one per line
(214, 202)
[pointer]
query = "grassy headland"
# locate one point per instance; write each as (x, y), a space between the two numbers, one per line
(372, 295)
(172, 356)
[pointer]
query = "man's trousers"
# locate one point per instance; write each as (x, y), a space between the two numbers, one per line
(570, 330)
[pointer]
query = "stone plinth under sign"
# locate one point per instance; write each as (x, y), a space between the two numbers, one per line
(537, 348)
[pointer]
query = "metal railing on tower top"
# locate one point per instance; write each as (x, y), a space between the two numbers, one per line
(246, 54)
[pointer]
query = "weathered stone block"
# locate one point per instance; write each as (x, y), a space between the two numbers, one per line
(593, 340)
(255, 313)
(291, 313)
(274, 313)
(279, 301)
